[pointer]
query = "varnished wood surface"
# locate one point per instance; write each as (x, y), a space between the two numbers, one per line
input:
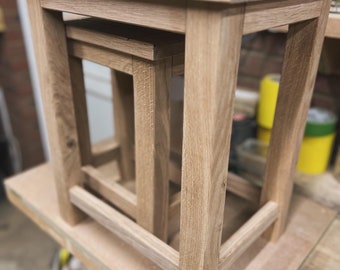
(171, 15)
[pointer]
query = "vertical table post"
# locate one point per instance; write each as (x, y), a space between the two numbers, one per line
(122, 94)
(152, 139)
(55, 83)
(213, 43)
(303, 48)
(80, 107)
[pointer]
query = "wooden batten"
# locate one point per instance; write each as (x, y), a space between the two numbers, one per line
(235, 184)
(113, 192)
(105, 151)
(277, 13)
(112, 59)
(143, 241)
(243, 188)
(153, 13)
(257, 17)
(247, 234)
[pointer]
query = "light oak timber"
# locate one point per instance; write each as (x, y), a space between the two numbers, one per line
(152, 13)
(303, 49)
(124, 121)
(143, 241)
(80, 107)
(98, 248)
(146, 43)
(235, 185)
(325, 255)
(114, 60)
(243, 188)
(56, 90)
(332, 29)
(105, 151)
(178, 65)
(277, 13)
(152, 143)
(234, 247)
(159, 14)
(210, 71)
(333, 26)
(113, 192)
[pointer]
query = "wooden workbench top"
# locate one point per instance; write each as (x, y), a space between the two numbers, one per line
(33, 193)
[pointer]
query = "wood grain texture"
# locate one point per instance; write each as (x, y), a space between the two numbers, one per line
(150, 44)
(99, 248)
(112, 59)
(56, 90)
(123, 110)
(297, 242)
(270, 14)
(210, 81)
(238, 243)
(111, 191)
(326, 253)
(235, 184)
(333, 26)
(332, 29)
(105, 151)
(243, 188)
(159, 14)
(143, 241)
(300, 65)
(96, 247)
(152, 143)
(80, 107)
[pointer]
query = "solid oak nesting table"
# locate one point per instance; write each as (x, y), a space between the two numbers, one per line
(213, 32)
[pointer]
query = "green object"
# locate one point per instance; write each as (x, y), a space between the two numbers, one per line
(320, 122)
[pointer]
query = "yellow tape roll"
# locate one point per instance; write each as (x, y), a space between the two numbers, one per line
(269, 89)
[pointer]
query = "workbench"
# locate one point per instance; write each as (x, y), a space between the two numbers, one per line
(213, 32)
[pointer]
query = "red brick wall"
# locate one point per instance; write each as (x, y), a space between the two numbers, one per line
(15, 80)
(263, 54)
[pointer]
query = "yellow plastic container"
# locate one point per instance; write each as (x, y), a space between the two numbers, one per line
(263, 134)
(315, 153)
(269, 89)
(317, 143)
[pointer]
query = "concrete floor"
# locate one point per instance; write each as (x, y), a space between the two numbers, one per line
(23, 246)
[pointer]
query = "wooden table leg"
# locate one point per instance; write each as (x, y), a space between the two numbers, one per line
(303, 48)
(213, 42)
(54, 73)
(80, 106)
(122, 94)
(152, 140)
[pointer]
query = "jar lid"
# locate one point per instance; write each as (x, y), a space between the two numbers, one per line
(320, 122)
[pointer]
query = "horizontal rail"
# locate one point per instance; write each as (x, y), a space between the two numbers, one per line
(102, 56)
(105, 151)
(143, 241)
(243, 188)
(112, 192)
(235, 184)
(276, 13)
(234, 247)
